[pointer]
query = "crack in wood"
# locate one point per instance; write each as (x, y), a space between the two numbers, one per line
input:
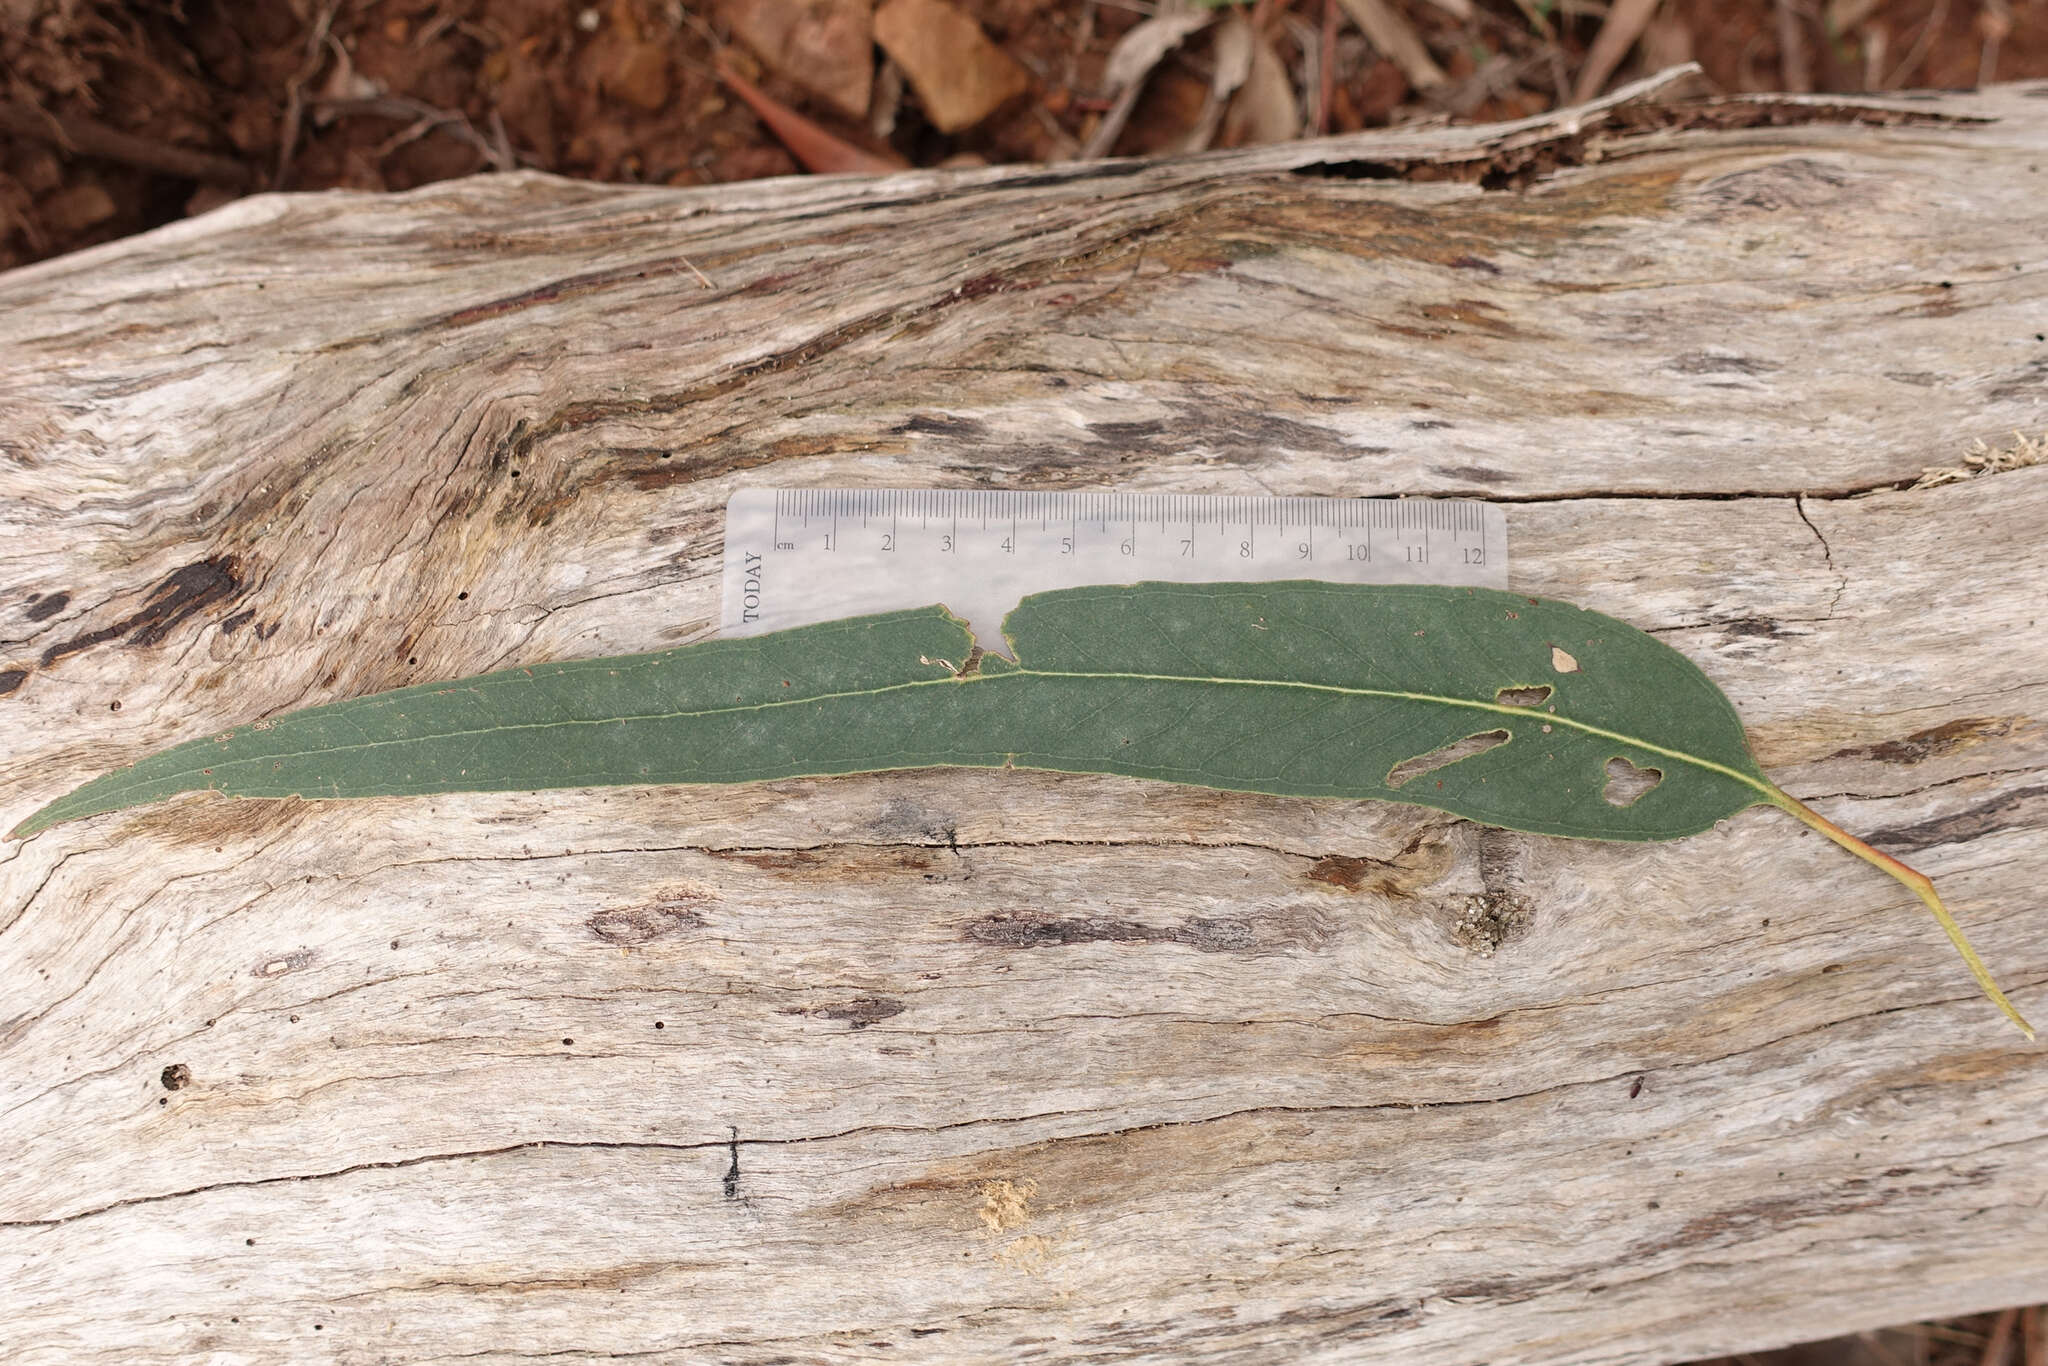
(1124, 1131)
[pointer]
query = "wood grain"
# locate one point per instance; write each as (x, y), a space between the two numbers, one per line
(955, 1066)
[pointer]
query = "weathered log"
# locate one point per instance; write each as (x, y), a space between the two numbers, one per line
(1001, 1066)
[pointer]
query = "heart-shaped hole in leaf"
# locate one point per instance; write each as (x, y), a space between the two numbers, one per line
(1533, 695)
(1445, 755)
(1627, 784)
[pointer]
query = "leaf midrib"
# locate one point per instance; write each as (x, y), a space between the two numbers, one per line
(1017, 671)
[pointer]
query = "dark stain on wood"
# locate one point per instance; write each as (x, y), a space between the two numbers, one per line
(1503, 1290)
(1044, 929)
(236, 622)
(1338, 870)
(1706, 363)
(1753, 628)
(1745, 1223)
(2027, 806)
(556, 291)
(773, 860)
(858, 1013)
(1126, 433)
(11, 681)
(42, 609)
(649, 469)
(210, 821)
(907, 821)
(1470, 315)
(1794, 183)
(671, 914)
(1421, 862)
(2024, 383)
(1477, 474)
(942, 424)
(981, 286)
(1934, 742)
(1241, 435)
(185, 591)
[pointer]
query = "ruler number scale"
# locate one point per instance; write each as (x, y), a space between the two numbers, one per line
(797, 556)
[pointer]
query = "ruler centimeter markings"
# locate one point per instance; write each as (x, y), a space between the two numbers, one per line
(798, 556)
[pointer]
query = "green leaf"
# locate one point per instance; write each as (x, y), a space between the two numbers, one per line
(1511, 710)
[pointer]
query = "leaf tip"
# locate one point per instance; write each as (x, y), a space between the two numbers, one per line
(33, 824)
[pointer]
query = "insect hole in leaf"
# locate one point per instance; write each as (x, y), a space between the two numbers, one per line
(1443, 756)
(1627, 784)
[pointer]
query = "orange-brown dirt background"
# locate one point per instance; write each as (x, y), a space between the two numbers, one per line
(119, 117)
(115, 118)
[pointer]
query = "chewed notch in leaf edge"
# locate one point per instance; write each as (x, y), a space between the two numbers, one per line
(1493, 706)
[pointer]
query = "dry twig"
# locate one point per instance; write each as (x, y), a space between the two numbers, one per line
(1984, 459)
(1917, 53)
(89, 137)
(1999, 1343)
(1793, 63)
(295, 90)
(1396, 40)
(1326, 68)
(1625, 24)
(1994, 23)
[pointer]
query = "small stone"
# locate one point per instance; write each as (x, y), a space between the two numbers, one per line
(205, 199)
(80, 206)
(641, 79)
(825, 46)
(959, 75)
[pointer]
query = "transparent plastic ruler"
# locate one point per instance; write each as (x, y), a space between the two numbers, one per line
(797, 556)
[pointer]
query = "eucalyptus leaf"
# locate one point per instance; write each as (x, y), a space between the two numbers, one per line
(1515, 711)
